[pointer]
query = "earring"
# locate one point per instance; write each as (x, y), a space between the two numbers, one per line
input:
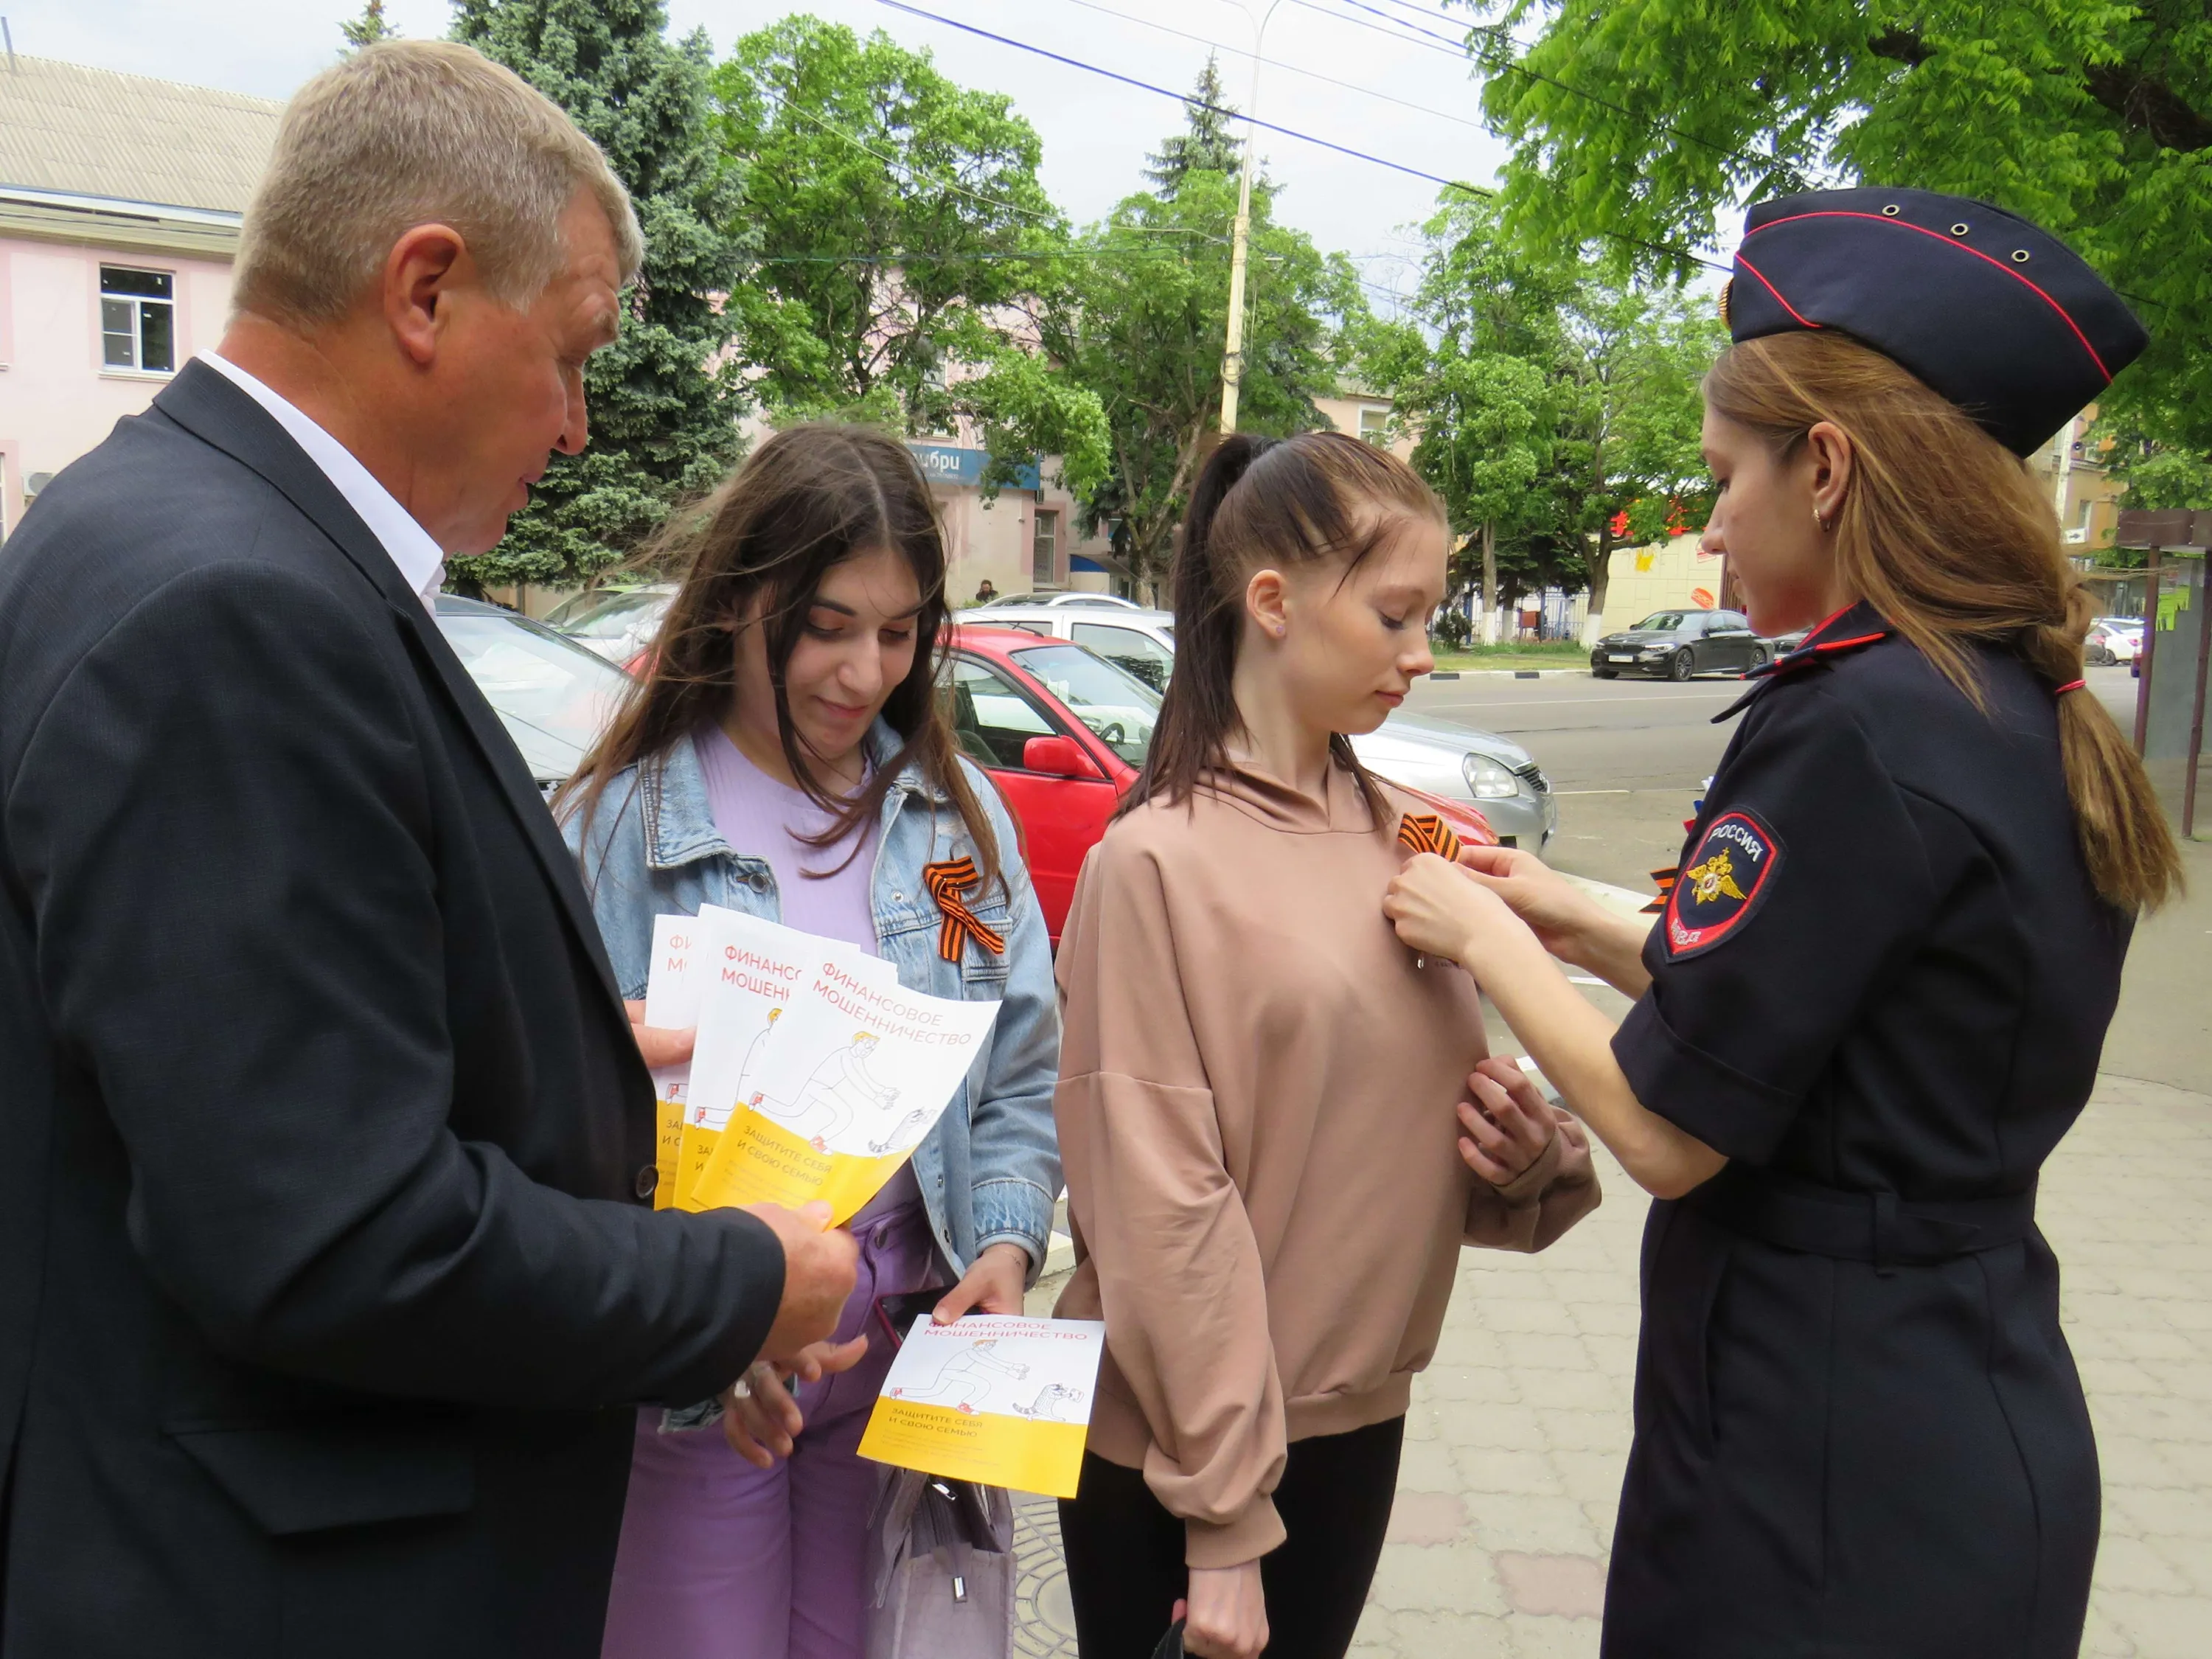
(1818, 519)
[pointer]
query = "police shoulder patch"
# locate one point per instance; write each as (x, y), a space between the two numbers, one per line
(1722, 883)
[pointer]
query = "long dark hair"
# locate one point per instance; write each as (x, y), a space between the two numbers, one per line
(1943, 532)
(1259, 503)
(802, 503)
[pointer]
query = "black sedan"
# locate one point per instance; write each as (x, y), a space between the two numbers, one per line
(1675, 644)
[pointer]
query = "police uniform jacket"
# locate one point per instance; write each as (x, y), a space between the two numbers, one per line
(1879, 986)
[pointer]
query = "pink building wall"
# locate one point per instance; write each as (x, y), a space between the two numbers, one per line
(57, 398)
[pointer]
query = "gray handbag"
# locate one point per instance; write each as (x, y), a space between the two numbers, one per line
(940, 1580)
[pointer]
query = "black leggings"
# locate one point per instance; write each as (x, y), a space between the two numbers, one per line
(1125, 1566)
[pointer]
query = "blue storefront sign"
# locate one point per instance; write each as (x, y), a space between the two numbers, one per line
(949, 464)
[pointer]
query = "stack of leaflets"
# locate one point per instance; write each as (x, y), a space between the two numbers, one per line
(816, 1073)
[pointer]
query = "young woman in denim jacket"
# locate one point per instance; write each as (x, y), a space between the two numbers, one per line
(786, 755)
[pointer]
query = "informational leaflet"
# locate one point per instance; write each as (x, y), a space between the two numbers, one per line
(750, 972)
(817, 1073)
(671, 1002)
(998, 1399)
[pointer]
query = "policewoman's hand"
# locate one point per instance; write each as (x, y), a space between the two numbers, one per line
(1443, 909)
(1557, 912)
(1507, 1123)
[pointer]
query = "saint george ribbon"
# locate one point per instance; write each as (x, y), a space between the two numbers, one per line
(1425, 832)
(946, 882)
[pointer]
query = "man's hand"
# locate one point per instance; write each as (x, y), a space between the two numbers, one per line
(659, 1046)
(1226, 1615)
(762, 1423)
(1507, 1123)
(820, 1268)
(992, 1284)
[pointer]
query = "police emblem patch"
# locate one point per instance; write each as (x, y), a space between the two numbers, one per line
(1722, 883)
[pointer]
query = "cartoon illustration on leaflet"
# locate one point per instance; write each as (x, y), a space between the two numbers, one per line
(839, 1087)
(745, 1071)
(1047, 1404)
(961, 1382)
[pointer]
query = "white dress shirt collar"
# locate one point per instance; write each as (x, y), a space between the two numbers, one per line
(420, 563)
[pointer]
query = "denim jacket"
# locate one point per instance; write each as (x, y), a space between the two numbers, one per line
(990, 1170)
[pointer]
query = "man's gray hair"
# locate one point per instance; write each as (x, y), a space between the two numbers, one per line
(417, 133)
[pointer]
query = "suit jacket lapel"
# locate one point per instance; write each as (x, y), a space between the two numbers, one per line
(219, 413)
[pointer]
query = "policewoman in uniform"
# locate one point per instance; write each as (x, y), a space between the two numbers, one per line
(1874, 999)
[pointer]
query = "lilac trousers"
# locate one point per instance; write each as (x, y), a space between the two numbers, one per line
(721, 1560)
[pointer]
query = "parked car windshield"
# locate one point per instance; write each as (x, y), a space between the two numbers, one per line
(1659, 621)
(553, 697)
(621, 613)
(1118, 707)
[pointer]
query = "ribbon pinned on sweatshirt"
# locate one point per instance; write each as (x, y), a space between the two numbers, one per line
(1427, 832)
(946, 882)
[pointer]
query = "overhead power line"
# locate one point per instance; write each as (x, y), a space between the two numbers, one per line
(1277, 62)
(1187, 99)
(1193, 102)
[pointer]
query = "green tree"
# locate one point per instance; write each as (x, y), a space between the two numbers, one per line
(1138, 320)
(368, 28)
(1647, 121)
(2152, 475)
(664, 398)
(906, 245)
(1209, 144)
(1556, 409)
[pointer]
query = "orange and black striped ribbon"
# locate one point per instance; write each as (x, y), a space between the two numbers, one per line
(947, 882)
(1666, 881)
(1425, 832)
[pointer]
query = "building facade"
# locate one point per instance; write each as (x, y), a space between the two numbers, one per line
(120, 199)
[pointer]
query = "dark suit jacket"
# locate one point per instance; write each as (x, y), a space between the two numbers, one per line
(325, 1284)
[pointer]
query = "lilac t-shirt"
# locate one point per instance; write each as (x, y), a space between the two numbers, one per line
(763, 818)
(757, 816)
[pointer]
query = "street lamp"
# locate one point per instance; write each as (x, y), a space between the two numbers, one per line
(1232, 355)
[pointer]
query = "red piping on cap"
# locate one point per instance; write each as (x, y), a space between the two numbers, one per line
(1804, 321)
(1842, 213)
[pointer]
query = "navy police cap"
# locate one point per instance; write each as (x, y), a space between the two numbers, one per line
(1998, 316)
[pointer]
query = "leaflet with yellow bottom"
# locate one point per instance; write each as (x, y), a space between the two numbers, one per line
(998, 1399)
(755, 1160)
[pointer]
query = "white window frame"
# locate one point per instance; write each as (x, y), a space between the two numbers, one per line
(1379, 433)
(1044, 548)
(135, 308)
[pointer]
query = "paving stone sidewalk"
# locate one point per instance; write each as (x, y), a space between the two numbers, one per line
(1519, 1429)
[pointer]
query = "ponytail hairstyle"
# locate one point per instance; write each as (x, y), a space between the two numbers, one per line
(1943, 531)
(1265, 503)
(805, 501)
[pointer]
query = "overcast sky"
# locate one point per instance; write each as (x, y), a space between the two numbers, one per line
(1096, 132)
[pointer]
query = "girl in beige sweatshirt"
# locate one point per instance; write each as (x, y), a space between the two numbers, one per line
(1258, 1084)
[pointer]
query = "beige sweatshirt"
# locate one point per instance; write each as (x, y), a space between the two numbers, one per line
(1256, 1120)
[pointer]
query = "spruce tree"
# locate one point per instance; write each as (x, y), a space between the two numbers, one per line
(663, 403)
(1210, 143)
(368, 28)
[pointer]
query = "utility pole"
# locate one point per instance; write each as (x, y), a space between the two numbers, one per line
(1232, 355)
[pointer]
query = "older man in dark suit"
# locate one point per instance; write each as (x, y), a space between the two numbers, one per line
(328, 1270)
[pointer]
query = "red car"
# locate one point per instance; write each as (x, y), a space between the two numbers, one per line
(1063, 733)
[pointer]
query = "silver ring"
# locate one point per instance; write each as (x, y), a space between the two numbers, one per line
(741, 1389)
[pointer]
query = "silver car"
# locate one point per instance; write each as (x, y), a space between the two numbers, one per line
(1497, 775)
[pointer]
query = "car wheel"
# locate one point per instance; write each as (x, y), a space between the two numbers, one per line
(1678, 665)
(1757, 658)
